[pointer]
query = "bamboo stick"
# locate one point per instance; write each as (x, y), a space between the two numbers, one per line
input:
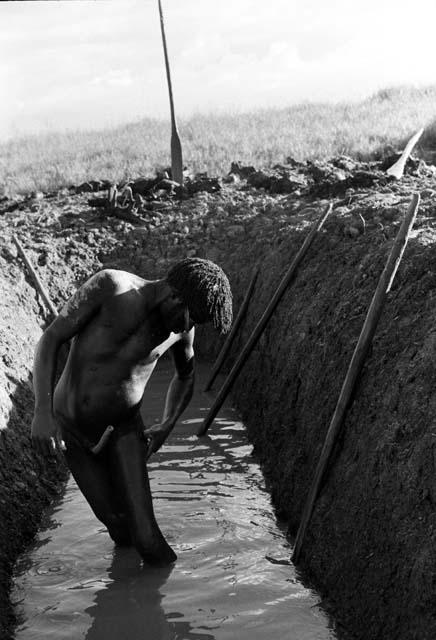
(259, 328)
(229, 341)
(39, 286)
(176, 145)
(356, 364)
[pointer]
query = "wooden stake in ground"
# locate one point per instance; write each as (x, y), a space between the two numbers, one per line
(229, 341)
(176, 145)
(397, 168)
(259, 328)
(39, 286)
(355, 367)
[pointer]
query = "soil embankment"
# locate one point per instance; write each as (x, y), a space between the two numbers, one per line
(370, 547)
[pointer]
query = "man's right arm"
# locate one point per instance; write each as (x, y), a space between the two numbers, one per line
(73, 317)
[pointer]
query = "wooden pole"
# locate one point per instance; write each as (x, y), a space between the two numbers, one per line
(229, 341)
(397, 169)
(356, 364)
(259, 328)
(40, 287)
(176, 145)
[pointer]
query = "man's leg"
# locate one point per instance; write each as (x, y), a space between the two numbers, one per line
(128, 459)
(91, 473)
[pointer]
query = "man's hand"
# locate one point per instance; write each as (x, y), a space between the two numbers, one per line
(156, 436)
(45, 434)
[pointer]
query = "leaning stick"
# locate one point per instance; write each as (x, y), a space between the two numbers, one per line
(86, 444)
(397, 168)
(356, 364)
(176, 145)
(259, 328)
(41, 289)
(96, 449)
(228, 343)
(38, 284)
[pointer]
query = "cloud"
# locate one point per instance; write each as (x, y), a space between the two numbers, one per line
(114, 78)
(105, 58)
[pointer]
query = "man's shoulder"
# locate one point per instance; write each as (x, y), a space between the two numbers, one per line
(114, 279)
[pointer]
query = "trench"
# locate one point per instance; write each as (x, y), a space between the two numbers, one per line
(371, 545)
(232, 578)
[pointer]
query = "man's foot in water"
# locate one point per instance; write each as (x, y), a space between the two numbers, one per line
(156, 551)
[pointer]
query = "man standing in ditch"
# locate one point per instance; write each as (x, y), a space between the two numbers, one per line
(120, 324)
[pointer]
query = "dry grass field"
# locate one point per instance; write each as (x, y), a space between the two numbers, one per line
(211, 142)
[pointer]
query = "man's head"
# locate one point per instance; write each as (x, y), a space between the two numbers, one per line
(205, 290)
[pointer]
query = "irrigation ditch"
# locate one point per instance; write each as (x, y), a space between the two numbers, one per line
(370, 546)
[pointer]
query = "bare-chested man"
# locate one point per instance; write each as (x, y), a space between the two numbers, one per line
(120, 324)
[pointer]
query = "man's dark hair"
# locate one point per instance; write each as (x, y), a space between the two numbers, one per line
(205, 289)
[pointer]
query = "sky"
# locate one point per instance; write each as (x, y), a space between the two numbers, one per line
(71, 64)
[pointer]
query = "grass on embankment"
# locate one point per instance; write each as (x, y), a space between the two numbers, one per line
(210, 143)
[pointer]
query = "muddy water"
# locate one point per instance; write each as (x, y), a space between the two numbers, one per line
(232, 578)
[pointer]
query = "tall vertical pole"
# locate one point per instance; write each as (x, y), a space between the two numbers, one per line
(176, 145)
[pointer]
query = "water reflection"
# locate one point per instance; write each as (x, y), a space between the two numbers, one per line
(131, 605)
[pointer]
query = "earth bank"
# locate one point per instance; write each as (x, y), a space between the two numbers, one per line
(370, 548)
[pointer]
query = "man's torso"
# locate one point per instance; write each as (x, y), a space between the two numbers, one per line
(112, 358)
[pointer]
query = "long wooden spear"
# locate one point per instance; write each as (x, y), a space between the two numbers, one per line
(356, 364)
(176, 145)
(228, 343)
(259, 328)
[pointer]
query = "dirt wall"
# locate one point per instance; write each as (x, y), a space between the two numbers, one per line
(27, 483)
(370, 547)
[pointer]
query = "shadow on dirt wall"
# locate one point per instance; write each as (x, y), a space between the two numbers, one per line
(29, 484)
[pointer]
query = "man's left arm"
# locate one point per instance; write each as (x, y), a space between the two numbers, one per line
(179, 392)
